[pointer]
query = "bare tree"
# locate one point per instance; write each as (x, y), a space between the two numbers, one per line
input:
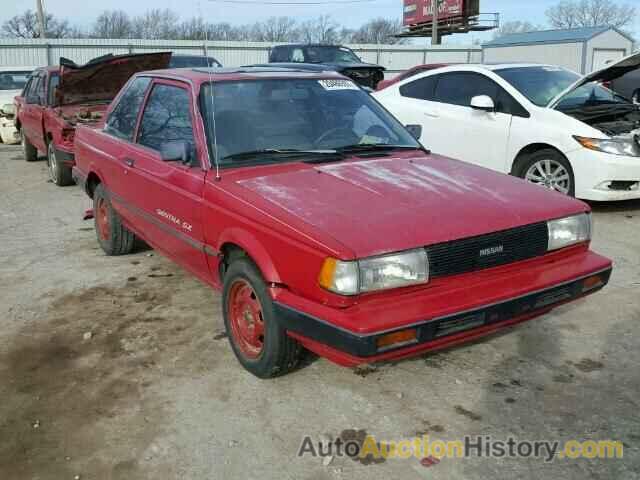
(276, 29)
(508, 28)
(322, 29)
(156, 24)
(379, 31)
(25, 25)
(591, 13)
(112, 24)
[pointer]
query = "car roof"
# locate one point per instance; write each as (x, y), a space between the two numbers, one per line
(202, 74)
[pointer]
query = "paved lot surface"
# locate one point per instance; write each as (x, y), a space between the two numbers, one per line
(156, 392)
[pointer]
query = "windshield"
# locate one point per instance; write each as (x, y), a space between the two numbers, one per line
(13, 80)
(330, 55)
(260, 115)
(539, 84)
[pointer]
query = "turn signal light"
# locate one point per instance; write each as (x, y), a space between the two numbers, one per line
(592, 283)
(397, 338)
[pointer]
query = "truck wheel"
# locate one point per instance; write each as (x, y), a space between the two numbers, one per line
(548, 168)
(258, 341)
(113, 237)
(60, 174)
(30, 152)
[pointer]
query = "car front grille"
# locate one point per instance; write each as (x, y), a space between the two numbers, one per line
(486, 251)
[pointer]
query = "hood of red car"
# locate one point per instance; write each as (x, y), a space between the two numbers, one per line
(103, 77)
(386, 205)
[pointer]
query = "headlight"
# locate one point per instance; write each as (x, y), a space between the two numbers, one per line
(7, 109)
(375, 273)
(626, 147)
(569, 231)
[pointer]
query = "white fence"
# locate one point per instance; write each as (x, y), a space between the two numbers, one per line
(396, 58)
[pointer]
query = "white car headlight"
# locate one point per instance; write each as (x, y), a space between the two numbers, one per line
(627, 147)
(375, 273)
(569, 231)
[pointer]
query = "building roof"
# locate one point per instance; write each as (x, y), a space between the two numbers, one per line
(571, 35)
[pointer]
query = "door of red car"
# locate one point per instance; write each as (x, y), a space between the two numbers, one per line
(31, 117)
(166, 195)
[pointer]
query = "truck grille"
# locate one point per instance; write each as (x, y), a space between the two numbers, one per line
(486, 251)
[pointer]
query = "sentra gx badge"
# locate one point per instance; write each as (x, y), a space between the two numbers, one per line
(172, 218)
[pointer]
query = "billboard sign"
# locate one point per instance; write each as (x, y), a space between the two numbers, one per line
(421, 11)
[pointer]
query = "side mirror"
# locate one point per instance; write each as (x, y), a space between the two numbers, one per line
(415, 131)
(33, 100)
(483, 103)
(176, 151)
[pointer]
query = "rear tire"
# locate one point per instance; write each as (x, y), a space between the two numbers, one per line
(30, 152)
(112, 236)
(260, 344)
(548, 168)
(60, 174)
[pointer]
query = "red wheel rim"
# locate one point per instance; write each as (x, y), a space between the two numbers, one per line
(102, 219)
(245, 319)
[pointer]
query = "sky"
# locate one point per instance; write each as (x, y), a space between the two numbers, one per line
(82, 12)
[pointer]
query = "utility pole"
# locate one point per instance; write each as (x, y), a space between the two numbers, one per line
(41, 20)
(435, 40)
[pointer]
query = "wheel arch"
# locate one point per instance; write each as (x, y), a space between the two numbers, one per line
(236, 241)
(529, 150)
(93, 180)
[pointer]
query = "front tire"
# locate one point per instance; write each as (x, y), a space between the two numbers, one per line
(260, 344)
(548, 168)
(59, 173)
(113, 237)
(29, 151)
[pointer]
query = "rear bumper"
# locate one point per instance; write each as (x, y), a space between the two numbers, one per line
(472, 309)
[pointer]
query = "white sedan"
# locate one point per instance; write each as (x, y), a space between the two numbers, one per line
(539, 122)
(12, 81)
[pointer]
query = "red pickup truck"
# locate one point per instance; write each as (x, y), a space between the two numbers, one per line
(56, 99)
(322, 219)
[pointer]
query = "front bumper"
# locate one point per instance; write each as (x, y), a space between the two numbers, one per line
(8, 132)
(457, 310)
(594, 171)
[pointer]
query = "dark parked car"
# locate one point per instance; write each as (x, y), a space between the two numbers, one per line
(193, 61)
(331, 57)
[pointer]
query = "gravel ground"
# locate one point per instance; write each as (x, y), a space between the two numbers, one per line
(118, 368)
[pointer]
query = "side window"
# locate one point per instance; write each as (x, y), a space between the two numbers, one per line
(422, 89)
(40, 89)
(166, 117)
(27, 86)
(54, 81)
(460, 87)
(297, 55)
(505, 103)
(122, 120)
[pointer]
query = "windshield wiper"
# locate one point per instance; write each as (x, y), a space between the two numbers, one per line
(275, 151)
(364, 147)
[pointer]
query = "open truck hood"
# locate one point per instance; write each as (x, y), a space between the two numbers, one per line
(606, 74)
(102, 78)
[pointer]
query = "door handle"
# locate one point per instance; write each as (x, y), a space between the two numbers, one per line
(129, 162)
(431, 115)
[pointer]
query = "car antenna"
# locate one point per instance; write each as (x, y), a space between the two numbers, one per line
(213, 106)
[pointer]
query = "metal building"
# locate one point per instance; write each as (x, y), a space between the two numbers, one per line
(580, 49)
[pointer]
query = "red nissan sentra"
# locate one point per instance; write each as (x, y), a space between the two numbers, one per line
(324, 222)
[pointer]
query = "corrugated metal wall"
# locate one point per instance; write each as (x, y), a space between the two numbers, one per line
(230, 54)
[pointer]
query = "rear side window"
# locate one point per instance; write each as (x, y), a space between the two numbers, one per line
(460, 88)
(166, 117)
(122, 120)
(54, 81)
(422, 89)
